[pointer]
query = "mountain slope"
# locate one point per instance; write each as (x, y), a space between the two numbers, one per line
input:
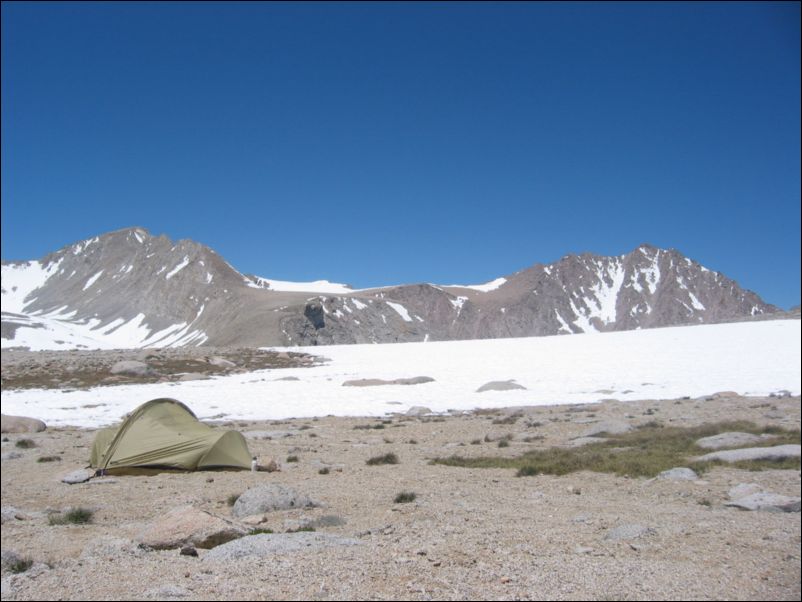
(130, 289)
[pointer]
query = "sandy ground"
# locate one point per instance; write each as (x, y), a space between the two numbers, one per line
(469, 534)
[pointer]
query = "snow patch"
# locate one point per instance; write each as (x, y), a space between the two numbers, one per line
(401, 310)
(92, 280)
(178, 268)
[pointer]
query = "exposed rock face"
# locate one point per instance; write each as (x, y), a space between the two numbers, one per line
(21, 424)
(130, 289)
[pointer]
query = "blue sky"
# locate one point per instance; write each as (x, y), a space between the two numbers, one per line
(391, 143)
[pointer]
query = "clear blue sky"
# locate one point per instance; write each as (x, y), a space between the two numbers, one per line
(391, 143)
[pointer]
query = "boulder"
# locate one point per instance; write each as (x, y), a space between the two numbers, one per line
(221, 362)
(269, 498)
(266, 546)
(731, 439)
(767, 502)
(778, 452)
(20, 424)
(377, 382)
(609, 427)
(132, 368)
(627, 532)
(678, 474)
(189, 525)
(418, 411)
(500, 385)
(82, 475)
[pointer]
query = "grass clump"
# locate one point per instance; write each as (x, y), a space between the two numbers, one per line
(260, 531)
(324, 470)
(232, 499)
(390, 458)
(292, 459)
(19, 565)
(646, 451)
(405, 497)
(49, 459)
(25, 443)
(73, 516)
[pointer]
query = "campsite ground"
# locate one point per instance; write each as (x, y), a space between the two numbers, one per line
(470, 533)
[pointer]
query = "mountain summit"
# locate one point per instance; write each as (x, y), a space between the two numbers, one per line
(130, 289)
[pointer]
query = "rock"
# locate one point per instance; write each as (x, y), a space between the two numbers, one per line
(778, 452)
(20, 424)
(767, 502)
(731, 439)
(265, 546)
(193, 376)
(744, 489)
(500, 385)
(9, 558)
(132, 368)
(626, 532)
(82, 475)
(166, 592)
(267, 465)
(678, 474)
(289, 378)
(609, 427)
(376, 382)
(418, 411)
(11, 514)
(221, 362)
(189, 525)
(189, 550)
(12, 455)
(269, 498)
(580, 441)
(103, 548)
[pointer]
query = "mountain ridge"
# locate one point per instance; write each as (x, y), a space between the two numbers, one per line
(132, 289)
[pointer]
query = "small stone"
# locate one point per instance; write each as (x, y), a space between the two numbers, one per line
(189, 550)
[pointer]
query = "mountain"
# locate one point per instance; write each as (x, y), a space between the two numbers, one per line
(130, 289)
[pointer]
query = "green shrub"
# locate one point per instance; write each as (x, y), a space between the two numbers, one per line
(390, 458)
(73, 516)
(405, 497)
(25, 443)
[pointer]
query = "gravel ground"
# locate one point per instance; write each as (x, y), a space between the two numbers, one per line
(469, 534)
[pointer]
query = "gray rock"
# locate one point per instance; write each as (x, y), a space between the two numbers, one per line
(193, 376)
(377, 382)
(778, 452)
(500, 385)
(731, 439)
(167, 592)
(188, 525)
(744, 489)
(269, 498)
(418, 411)
(20, 424)
(609, 427)
(12, 455)
(132, 368)
(82, 475)
(678, 474)
(11, 514)
(627, 532)
(102, 548)
(580, 441)
(265, 546)
(221, 362)
(767, 502)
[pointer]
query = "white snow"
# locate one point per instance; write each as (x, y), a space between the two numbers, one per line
(752, 358)
(358, 304)
(458, 303)
(695, 302)
(401, 310)
(178, 268)
(92, 280)
(484, 288)
(316, 286)
(605, 296)
(208, 278)
(20, 280)
(563, 324)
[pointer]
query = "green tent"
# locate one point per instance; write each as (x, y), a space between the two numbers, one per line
(164, 433)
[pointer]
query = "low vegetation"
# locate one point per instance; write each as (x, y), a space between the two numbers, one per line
(73, 516)
(646, 451)
(390, 458)
(19, 565)
(405, 497)
(25, 443)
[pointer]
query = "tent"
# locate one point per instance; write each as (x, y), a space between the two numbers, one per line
(164, 433)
